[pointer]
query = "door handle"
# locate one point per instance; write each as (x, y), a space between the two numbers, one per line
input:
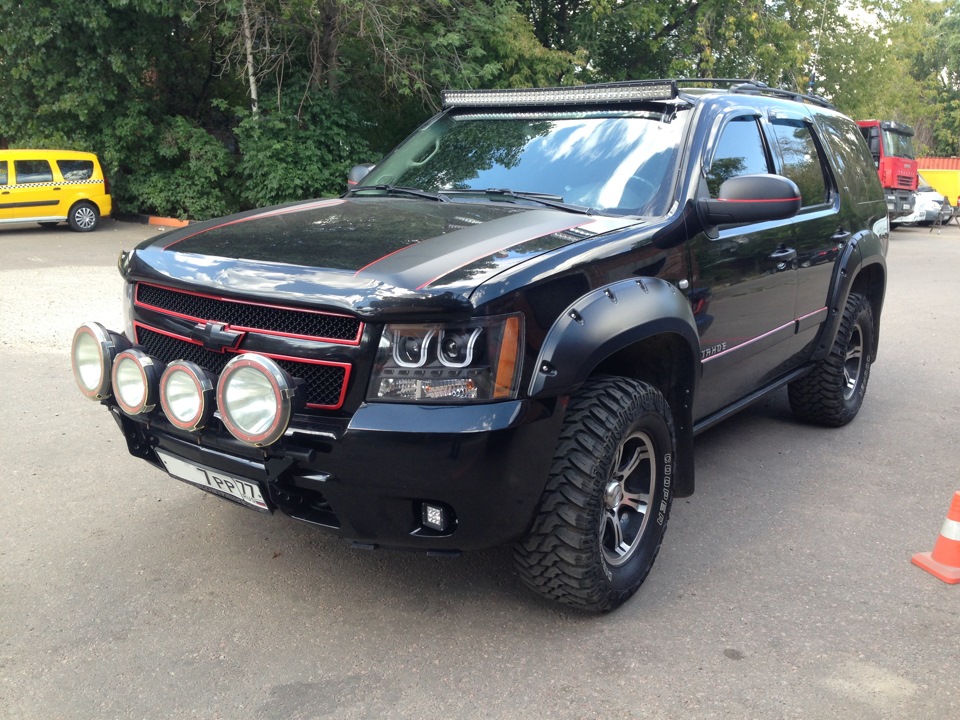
(783, 254)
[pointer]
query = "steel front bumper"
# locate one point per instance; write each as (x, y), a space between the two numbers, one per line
(368, 481)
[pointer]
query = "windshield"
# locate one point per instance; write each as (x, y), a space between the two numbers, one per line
(897, 145)
(621, 163)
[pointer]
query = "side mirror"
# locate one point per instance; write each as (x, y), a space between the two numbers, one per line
(358, 173)
(751, 199)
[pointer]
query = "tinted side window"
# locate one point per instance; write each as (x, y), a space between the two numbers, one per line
(851, 157)
(3, 172)
(76, 169)
(801, 160)
(32, 171)
(740, 151)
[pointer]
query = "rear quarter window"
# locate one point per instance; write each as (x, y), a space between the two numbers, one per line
(850, 157)
(76, 169)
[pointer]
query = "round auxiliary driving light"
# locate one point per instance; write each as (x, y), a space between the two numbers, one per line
(135, 380)
(91, 354)
(187, 395)
(255, 396)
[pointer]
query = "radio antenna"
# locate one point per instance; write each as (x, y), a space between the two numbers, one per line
(816, 53)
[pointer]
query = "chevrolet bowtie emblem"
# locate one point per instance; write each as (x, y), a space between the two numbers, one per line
(215, 336)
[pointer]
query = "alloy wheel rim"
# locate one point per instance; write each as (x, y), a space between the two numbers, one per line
(853, 362)
(627, 498)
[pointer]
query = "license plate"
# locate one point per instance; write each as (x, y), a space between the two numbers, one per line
(215, 481)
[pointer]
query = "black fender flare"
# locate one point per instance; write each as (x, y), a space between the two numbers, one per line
(610, 319)
(862, 251)
(607, 320)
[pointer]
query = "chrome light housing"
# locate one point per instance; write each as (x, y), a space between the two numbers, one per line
(256, 398)
(475, 361)
(92, 353)
(187, 395)
(135, 379)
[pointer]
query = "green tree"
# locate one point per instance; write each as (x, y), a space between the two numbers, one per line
(128, 79)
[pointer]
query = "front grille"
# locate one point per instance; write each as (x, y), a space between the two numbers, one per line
(251, 316)
(324, 382)
(905, 181)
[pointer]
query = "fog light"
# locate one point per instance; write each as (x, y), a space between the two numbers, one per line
(256, 399)
(187, 394)
(135, 380)
(92, 353)
(435, 517)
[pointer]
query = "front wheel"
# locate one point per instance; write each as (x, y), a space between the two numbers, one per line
(84, 217)
(605, 507)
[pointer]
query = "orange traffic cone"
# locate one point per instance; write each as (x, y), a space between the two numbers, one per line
(944, 561)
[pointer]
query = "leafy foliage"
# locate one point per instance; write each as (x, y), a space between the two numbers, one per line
(163, 90)
(283, 158)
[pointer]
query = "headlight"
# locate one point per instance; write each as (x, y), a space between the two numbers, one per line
(135, 379)
(187, 395)
(477, 361)
(91, 355)
(256, 399)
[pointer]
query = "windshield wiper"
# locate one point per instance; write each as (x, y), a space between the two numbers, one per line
(546, 199)
(400, 190)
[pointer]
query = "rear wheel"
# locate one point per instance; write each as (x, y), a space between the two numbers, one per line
(605, 507)
(833, 393)
(84, 217)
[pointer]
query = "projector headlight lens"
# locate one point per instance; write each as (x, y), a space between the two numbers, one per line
(457, 363)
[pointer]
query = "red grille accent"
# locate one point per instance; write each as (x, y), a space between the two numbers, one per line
(250, 316)
(326, 382)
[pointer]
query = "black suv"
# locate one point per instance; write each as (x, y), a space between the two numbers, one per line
(510, 329)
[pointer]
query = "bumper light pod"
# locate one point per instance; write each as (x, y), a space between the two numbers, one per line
(256, 399)
(92, 353)
(187, 394)
(135, 380)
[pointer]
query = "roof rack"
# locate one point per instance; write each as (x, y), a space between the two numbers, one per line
(746, 86)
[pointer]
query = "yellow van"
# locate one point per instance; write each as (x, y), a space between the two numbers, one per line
(50, 186)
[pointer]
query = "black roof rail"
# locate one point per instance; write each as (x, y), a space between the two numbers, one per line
(747, 86)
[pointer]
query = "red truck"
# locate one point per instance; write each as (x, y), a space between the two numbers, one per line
(891, 144)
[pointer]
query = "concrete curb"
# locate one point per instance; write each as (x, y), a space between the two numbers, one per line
(151, 220)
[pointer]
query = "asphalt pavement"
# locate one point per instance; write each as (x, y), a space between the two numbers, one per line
(784, 588)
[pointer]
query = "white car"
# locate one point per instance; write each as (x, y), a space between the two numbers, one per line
(928, 207)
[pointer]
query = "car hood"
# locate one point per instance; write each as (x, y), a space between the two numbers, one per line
(370, 256)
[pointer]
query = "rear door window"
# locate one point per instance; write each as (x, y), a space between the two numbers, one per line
(801, 160)
(32, 171)
(3, 172)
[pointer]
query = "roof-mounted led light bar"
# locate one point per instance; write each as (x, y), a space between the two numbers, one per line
(578, 95)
